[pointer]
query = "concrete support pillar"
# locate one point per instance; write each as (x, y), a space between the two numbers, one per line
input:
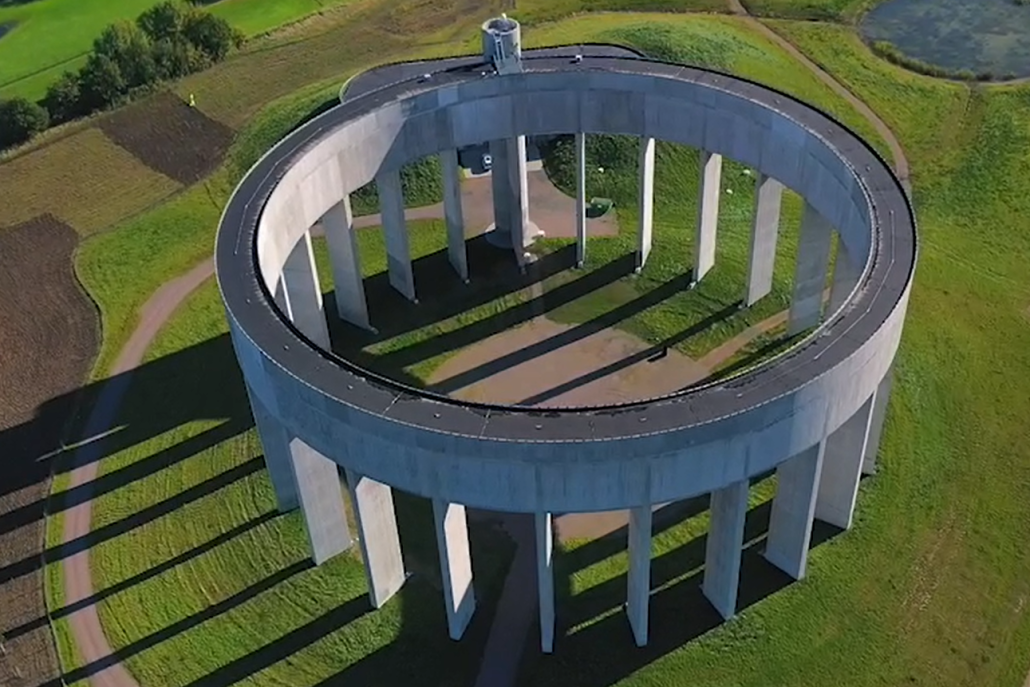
(845, 277)
(707, 213)
(813, 262)
(724, 547)
(321, 501)
(348, 284)
(452, 541)
(638, 591)
(646, 168)
(453, 213)
(303, 295)
(380, 543)
(581, 198)
(872, 445)
(790, 522)
(842, 467)
(398, 253)
(499, 186)
(275, 443)
(765, 226)
(518, 183)
(545, 578)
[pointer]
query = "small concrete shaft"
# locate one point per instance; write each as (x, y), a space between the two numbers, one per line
(545, 578)
(321, 502)
(707, 213)
(453, 213)
(452, 541)
(845, 278)
(398, 253)
(276, 446)
(724, 547)
(638, 581)
(790, 522)
(813, 262)
(581, 198)
(303, 295)
(380, 543)
(646, 169)
(882, 399)
(765, 227)
(348, 284)
(842, 467)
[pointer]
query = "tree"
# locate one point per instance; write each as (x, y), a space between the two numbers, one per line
(177, 58)
(20, 120)
(101, 83)
(164, 22)
(129, 48)
(212, 35)
(63, 100)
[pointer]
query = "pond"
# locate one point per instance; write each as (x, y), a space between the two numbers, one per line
(990, 36)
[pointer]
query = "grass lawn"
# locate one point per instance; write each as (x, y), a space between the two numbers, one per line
(48, 37)
(843, 11)
(928, 588)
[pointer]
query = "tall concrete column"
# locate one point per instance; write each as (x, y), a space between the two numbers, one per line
(646, 167)
(275, 443)
(303, 295)
(348, 284)
(793, 507)
(765, 226)
(724, 547)
(518, 182)
(452, 541)
(545, 578)
(398, 253)
(845, 277)
(321, 501)
(880, 401)
(813, 262)
(380, 543)
(707, 213)
(453, 213)
(499, 189)
(581, 198)
(638, 591)
(842, 467)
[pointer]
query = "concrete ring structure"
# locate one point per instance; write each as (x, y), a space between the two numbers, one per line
(813, 413)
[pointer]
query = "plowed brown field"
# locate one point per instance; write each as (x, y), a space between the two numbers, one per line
(48, 337)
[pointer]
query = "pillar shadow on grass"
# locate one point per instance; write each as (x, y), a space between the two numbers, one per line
(679, 612)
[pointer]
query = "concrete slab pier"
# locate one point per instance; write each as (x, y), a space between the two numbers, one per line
(813, 263)
(348, 284)
(845, 278)
(398, 252)
(707, 213)
(452, 541)
(882, 399)
(581, 198)
(790, 523)
(377, 532)
(725, 546)
(453, 213)
(321, 501)
(842, 467)
(638, 581)
(765, 227)
(545, 578)
(275, 443)
(646, 201)
(303, 295)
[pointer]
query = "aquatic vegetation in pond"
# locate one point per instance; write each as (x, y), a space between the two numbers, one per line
(979, 36)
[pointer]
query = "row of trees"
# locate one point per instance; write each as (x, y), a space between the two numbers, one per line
(168, 41)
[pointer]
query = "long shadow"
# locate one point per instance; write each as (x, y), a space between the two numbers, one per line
(640, 356)
(481, 329)
(180, 626)
(145, 575)
(570, 336)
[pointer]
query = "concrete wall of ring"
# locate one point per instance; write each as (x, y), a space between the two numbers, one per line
(582, 475)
